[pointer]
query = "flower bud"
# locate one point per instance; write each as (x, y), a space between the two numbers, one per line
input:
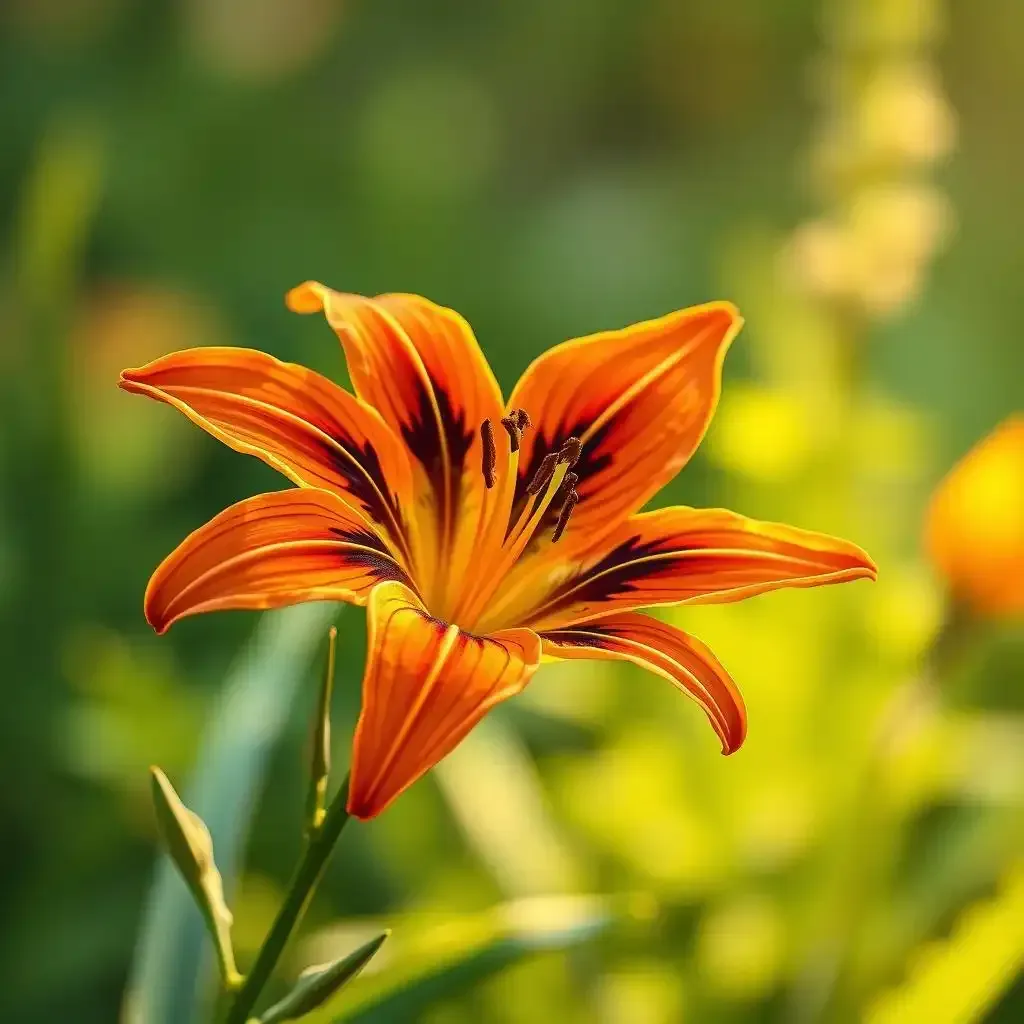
(975, 524)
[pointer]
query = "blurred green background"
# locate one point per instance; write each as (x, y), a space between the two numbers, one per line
(848, 173)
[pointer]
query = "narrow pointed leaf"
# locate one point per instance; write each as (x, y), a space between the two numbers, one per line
(188, 842)
(318, 984)
(320, 752)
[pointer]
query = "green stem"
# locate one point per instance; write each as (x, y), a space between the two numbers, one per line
(300, 891)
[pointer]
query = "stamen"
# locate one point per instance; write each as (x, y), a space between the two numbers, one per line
(563, 517)
(553, 481)
(511, 424)
(571, 450)
(517, 538)
(490, 452)
(544, 473)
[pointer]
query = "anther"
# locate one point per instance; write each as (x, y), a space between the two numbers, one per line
(571, 450)
(511, 424)
(563, 517)
(523, 420)
(490, 453)
(545, 471)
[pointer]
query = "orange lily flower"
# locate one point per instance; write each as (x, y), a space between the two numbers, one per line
(481, 536)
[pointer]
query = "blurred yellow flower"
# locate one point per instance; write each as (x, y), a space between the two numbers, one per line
(876, 252)
(975, 524)
(741, 947)
(903, 115)
(763, 433)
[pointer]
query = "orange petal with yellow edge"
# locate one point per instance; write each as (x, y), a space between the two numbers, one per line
(420, 365)
(295, 420)
(669, 652)
(640, 400)
(426, 685)
(268, 551)
(696, 556)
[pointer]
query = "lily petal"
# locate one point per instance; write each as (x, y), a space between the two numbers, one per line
(426, 685)
(272, 550)
(302, 424)
(639, 399)
(696, 556)
(420, 365)
(680, 658)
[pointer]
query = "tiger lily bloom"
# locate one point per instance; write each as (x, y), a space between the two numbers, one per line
(482, 536)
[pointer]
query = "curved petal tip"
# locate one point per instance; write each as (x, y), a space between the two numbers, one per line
(307, 297)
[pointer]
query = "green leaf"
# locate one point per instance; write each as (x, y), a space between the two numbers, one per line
(167, 982)
(188, 842)
(440, 963)
(58, 209)
(317, 984)
(957, 980)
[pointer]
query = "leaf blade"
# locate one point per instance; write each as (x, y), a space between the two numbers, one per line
(316, 985)
(190, 846)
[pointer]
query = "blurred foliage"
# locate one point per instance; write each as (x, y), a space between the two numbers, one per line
(848, 172)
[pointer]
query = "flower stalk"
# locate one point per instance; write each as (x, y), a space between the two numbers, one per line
(300, 892)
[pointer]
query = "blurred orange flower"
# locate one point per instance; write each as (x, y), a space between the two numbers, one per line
(975, 524)
(481, 536)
